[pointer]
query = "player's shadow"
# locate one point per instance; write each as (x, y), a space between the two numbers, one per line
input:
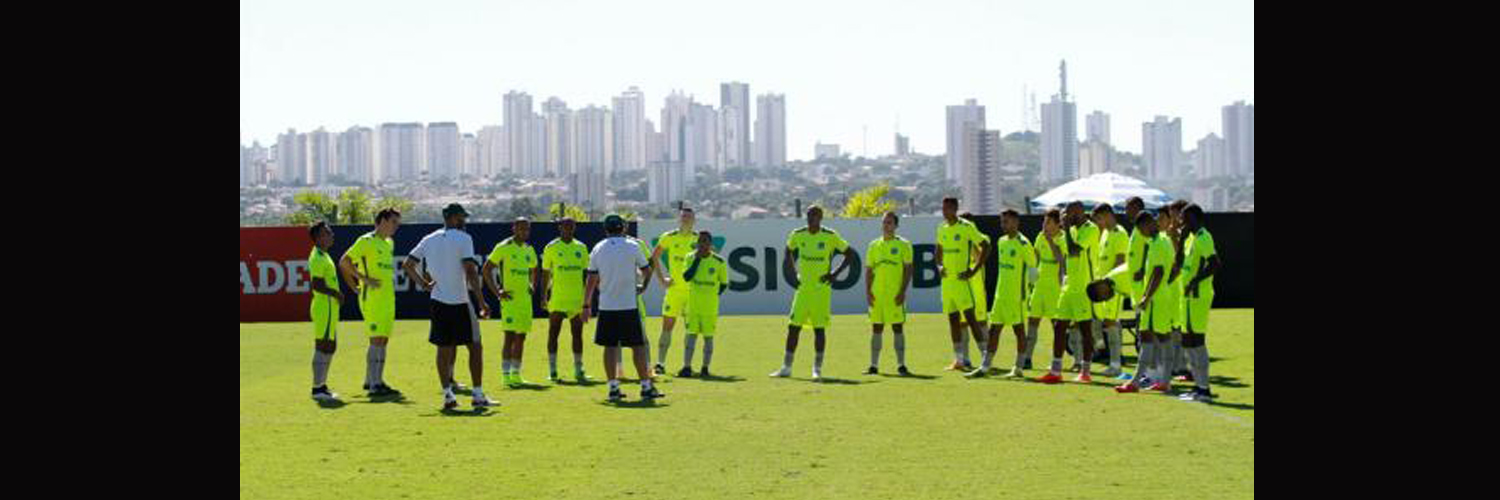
(1237, 406)
(482, 411)
(914, 375)
(839, 381)
(331, 404)
(399, 400)
(634, 403)
(720, 378)
(575, 383)
(1222, 381)
(529, 387)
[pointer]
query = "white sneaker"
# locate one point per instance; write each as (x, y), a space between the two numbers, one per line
(817, 375)
(1112, 371)
(449, 400)
(785, 371)
(480, 401)
(323, 394)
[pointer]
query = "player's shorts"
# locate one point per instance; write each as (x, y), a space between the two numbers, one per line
(1196, 309)
(674, 302)
(1157, 316)
(620, 329)
(702, 320)
(885, 311)
(1175, 299)
(1109, 310)
(379, 312)
(515, 314)
(1007, 311)
(811, 306)
(453, 324)
(325, 318)
(1043, 303)
(958, 296)
(981, 312)
(568, 305)
(1074, 306)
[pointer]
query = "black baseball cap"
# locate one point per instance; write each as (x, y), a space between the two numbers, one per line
(454, 209)
(613, 222)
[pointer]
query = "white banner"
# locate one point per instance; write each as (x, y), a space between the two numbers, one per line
(754, 249)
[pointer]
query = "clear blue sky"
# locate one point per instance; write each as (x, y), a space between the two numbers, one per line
(842, 65)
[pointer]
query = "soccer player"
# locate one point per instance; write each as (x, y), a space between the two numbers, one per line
(1073, 306)
(324, 310)
(1086, 233)
(956, 239)
(1169, 226)
(1114, 244)
(676, 244)
(1155, 322)
(887, 275)
(563, 262)
(981, 310)
(707, 276)
(1199, 267)
(452, 275)
(618, 270)
(1014, 255)
(1044, 295)
(517, 262)
(812, 248)
(368, 266)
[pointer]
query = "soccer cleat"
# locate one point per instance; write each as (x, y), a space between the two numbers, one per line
(903, 371)
(817, 375)
(872, 371)
(651, 393)
(957, 365)
(616, 395)
(552, 376)
(321, 393)
(1016, 372)
(661, 370)
(704, 373)
(1125, 376)
(449, 401)
(1162, 387)
(480, 401)
(1198, 394)
(980, 373)
(1111, 372)
(579, 376)
(968, 367)
(1127, 388)
(1050, 378)
(785, 371)
(1084, 378)
(685, 372)
(382, 390)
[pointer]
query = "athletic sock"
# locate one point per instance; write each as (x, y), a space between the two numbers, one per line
(646, 384)
(818, 361)
(687, 350)
(1031, 331)
(320, 363)
(370, 366)
(614, 383)
(1075, 342)
(552, 362)
(1057, 364)
(666, 343)
(875, 349)
(1115, 345)
(900, 343)
(786, 362)
(708, 351)
(1199, 356)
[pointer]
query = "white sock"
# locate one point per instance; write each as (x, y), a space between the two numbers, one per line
(1115, 345)
(874, 349)
(646, 384)
(320, 363)
(666, 342)
(552, 362)
(818, 361)
(786, 362)
(614, 384)
(900, 342)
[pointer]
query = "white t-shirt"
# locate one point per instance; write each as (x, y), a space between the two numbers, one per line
(617, 260)
(443, 252)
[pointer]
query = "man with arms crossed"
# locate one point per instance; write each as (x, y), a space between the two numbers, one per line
(618, 270)
(887, 275)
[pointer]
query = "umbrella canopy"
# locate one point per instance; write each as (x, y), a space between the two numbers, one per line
(1107, 187)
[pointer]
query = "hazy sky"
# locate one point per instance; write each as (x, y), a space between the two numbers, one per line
(842, 65)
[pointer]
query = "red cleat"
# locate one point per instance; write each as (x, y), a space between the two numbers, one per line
(1084, 378)
(1050, 378)
(1127, 388)
(1161, 387)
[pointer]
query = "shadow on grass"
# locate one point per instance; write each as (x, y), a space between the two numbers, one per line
(914, 375)
(575, 383)
(720, 378)
(331, 404)
(1236, 406)
(400, 400)
(838, 381)
(483, 411)
(634, 403)
(528, 387)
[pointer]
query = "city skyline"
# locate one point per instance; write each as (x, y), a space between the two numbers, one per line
(333, 66)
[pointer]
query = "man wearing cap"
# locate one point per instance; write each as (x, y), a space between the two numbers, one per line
(448, 256)
(619, 271)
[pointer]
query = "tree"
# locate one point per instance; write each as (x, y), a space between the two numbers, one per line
(353, 206)
(869, 202)
(522, 207)
(312, 207)
(558, 212)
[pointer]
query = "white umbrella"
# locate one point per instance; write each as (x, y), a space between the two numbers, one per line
(1107, 187)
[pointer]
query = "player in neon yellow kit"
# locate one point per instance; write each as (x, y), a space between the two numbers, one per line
(1043, 300)
(1199, 267)
(956, 239)
(981, 299)
(1169, 225)
(1114, 244)
(1073, 305)
(675, 244)
(1086, 234)
(517, 263)
(324, 309)
(887, 275)
(707, 275)
(1155, 322)
(369, 267)
(812, 248)
(563, 262)
(1014, 255)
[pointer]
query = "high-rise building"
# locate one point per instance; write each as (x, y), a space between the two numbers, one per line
(1211, 161)
(1097, 124)
(981, 175)
(770, 130)
(537, 151)
(629, 130)
(1239, 138)
(666, 182)
(734, 111)
(557, 154)
(443, 150)
(1059, 151)
(518, 134)
(468, 156)
(291, 157)
(356, 151)
(491, 150)
(703, 143)
(903, 145)
(252, 164)
(961, 118)
(1161, 148)
(655, 149)
(401, 151)
(1094, 157)
(593, 153)
(674, 126)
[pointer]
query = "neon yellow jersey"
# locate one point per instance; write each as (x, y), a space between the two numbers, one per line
(674, 245)
(887, 260)
(1136, 259)
(372, 256)
(1047, 262)
(516, 260)
(958, 241)
(1199, 247)
(703, 288)
(320, 267)
(814, 253)
(1113, 244)
(1012, 257)
(1088, 236)
(1160, 256)
(566, 261)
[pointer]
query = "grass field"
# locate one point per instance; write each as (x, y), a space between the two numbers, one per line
(935, 435)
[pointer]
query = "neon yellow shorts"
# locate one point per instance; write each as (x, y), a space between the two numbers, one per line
(569, 304)
(1157, 318)
(885, 310)
(981, 311)
(515, 314)
(811, 306)
(674, 303)
(1074, 306)
(379, 312)
(958, 296)
(325, 318)
(702, 320)
(1043, 303)
(1109, 310)
(1007, 311)
(1197, 309)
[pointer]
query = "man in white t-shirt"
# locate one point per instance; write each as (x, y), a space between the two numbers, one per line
(448, 256)
(620, 273)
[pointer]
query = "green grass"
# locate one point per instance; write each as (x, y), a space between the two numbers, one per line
(934, 436)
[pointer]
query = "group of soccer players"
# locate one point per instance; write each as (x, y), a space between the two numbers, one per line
(1076, 275)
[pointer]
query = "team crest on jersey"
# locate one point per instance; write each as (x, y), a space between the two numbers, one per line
(820, 245)
(577, 254)
(893, 251)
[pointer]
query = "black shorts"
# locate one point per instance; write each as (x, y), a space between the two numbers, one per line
(453, 324)
(620, 329)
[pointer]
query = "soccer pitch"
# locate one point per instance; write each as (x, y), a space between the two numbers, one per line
(932, 435)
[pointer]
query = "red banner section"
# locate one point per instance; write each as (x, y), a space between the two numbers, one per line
(273, 274)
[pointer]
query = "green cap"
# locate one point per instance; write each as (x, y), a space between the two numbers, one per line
(454, 209)
(613, 222)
